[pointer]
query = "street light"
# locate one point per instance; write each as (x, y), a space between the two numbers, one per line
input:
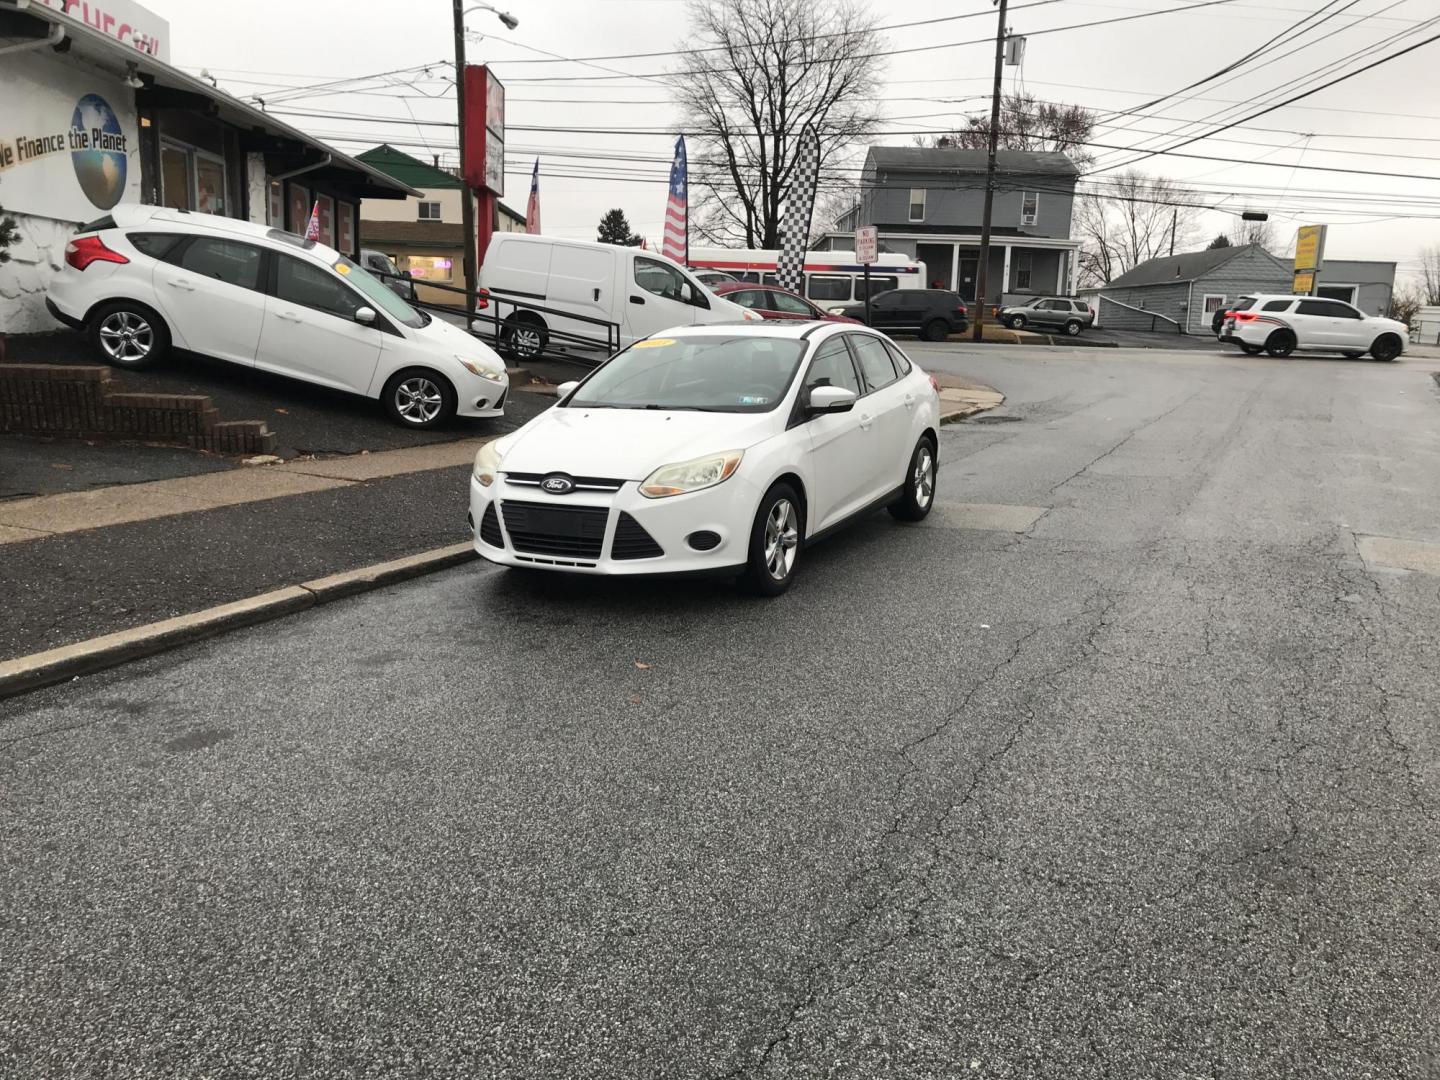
(467, 210)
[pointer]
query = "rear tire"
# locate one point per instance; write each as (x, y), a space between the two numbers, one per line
(1017, 322)
(128, 334)
(418, 399)
(1072, 327)
(1281, 343)
(524, 337)
(1386, 347)
(776, 540)
(919, 495)
(935, 330)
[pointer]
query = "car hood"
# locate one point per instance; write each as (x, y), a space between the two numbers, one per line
(1390, 324)
(443, 335)
(628, 444)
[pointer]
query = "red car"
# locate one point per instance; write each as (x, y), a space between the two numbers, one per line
(773, 302)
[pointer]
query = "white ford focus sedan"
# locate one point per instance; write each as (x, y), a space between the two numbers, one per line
(719, 449)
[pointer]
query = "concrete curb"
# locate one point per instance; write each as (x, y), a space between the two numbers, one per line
(41, 669)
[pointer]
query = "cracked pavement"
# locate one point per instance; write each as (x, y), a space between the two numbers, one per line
(1147, 790)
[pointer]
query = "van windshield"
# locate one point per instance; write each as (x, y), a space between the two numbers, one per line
(379, 294)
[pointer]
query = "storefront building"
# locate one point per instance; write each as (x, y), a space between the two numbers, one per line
(95, 115)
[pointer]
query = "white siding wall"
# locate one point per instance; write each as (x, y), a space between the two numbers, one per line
(408, 209)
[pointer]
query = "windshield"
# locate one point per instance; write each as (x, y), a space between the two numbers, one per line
(379, 294)
(705, 374)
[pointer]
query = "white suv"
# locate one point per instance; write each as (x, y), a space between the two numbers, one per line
(1279, 325)
(147, 278)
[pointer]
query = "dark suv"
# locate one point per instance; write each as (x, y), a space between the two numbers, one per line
(1051, 312)
(934, 314)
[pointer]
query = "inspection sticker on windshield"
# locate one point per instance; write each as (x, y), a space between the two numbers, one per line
(342, 268)
(750, 399)
(654, 343)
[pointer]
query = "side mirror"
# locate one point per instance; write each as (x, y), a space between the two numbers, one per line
(565, 389)
(365, 315)
(830, 399)
(408, 273)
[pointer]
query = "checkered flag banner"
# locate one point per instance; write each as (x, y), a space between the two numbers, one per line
(799, 206)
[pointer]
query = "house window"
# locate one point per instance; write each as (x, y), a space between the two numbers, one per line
(1029, 208)
(1022, 270)
(1213, 303)
(917, 204)
(429, 211)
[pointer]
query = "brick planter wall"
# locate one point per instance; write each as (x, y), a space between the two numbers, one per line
(82, 403)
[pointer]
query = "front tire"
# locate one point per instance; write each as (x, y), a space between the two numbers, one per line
(128, 334)
(419, 399)
(1281, 343)
(919, 495)
(1386, 347)
(775, 542)
(935, 330)
(1017, 322)
(1072, 327)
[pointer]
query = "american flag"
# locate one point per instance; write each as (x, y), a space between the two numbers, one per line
(676, 244)
(532, 211)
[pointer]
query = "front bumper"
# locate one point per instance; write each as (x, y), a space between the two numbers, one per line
(481, 397)
(726, 510)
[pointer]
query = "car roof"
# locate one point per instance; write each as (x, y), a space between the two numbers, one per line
(137, 215)
(799, 328)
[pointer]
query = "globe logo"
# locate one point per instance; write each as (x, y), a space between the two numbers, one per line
(97, 147)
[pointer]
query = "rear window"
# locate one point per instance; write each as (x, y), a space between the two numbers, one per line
(156, 245)
(98, 225)
(1273, 305)
(1245, 303)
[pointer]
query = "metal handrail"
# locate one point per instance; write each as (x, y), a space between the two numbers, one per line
(1153, 314)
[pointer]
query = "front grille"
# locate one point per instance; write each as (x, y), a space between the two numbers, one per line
(575, 532)
(582, 483)
(490, 528)
(632, 541)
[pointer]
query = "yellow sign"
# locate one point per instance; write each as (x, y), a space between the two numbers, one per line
(1308, 244)
(1304, 283)
(654, 343)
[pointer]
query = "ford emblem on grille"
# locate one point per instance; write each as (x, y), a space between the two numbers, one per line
(557, 484)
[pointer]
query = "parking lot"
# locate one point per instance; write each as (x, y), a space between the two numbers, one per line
(1122, 764)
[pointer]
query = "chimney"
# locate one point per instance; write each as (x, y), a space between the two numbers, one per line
(437, 160)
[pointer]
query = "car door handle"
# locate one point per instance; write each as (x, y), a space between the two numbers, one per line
(637, 299)
(182, 283)
(288, 316)
(865, 421)
(597, 294)
(909, 400)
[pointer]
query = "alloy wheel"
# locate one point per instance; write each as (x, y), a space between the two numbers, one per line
(418, 400)
(923, 480)
(525, 341)
(782, 538)
(126, 337)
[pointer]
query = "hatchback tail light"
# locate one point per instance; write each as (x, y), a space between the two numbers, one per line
(84, 250)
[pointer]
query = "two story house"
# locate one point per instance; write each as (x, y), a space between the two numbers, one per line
(928, 203)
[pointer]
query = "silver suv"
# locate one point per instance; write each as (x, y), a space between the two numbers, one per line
(1057, 312)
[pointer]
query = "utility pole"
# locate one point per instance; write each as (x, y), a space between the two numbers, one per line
(982, 279)
(467, 207)
(1174, 220)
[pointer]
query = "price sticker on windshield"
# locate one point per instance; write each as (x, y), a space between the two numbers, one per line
(654, 343)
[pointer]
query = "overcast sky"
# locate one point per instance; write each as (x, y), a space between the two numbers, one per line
(1109, 68)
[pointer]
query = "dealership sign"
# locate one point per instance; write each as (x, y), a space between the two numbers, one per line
(484, 164)
(69, 145)
(125, 21)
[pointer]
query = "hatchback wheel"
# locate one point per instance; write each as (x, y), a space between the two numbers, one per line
(919, 495)
(1280, 343)
(935, 330)
(416, 398)
(775, 540)
(129, 335)
(1072, 327)
(1386, 347)
(1017, 322)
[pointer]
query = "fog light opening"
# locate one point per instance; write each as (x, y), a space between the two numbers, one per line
(704, 540)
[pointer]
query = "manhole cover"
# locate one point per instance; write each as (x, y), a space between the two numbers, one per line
(996, 419)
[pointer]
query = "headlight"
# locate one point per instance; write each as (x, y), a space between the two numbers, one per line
(487, 462)
(693, 475)
(479, 367)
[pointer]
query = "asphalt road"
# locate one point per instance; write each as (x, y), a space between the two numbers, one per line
(1145, 790)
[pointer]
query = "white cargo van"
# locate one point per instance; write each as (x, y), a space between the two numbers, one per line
(637, 292)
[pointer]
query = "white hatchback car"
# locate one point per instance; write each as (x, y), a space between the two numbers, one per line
(718, 449)
(1279, 325)
(146, 278)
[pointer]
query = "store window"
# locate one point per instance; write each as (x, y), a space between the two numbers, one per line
(276, 219)
(192, 179)
(299, 209)
(345, 218)
(327, 219)
(430, 268)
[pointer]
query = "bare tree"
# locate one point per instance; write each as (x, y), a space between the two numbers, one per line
(1405, 301)
(773, 67)
(1027, 123)
(1430, 274)
(1253, 232)
(1132, 219)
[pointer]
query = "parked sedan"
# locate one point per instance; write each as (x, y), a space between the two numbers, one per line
(146, 278)
(1049, 313)
(775, 303)
(722, 449)
(934, 314)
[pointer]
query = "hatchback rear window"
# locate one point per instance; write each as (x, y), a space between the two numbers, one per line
(98, 225)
